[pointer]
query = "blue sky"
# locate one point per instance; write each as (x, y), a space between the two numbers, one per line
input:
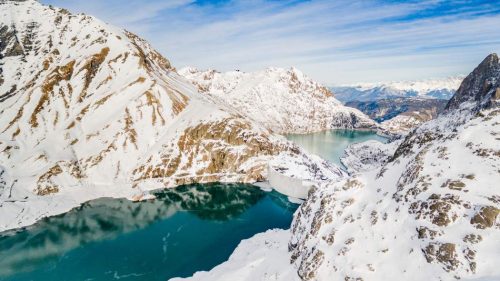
(335, 42)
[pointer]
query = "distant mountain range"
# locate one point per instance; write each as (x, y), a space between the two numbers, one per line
(401, 106)
(432, 88)
(399, 115)
(385, 109)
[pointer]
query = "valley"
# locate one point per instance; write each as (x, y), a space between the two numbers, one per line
(117, 164)
(400, 107)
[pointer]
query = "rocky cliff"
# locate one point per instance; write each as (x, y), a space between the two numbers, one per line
(481, 87)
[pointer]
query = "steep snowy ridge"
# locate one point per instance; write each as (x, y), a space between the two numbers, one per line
(368, 155)
(431, 88)
(285, 101)
(431, 212)
(89, 110)
(425, 208)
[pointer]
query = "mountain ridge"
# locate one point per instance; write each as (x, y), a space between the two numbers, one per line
(443, 88)
(481, 86)
(283, 100)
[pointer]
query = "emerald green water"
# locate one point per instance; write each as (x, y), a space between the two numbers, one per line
(184, 230)
(331, 144)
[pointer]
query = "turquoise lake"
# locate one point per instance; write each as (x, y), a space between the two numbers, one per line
(331, 144)
(184, 230)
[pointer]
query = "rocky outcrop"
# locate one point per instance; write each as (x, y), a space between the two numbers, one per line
(282, 100)
(9, 43)
(481, 87)
(368, 155)
(404, 123)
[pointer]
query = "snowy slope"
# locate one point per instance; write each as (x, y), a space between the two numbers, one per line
(285, 101)
(262, 257)
(430, 211)
(402, 124)
(89, 110)
(431, 88)
(368, 155)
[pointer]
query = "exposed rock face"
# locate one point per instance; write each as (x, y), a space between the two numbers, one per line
(481, 86)
(285, 101)
(430, 212)
(89, 110)
(9, 44)
(209, 148)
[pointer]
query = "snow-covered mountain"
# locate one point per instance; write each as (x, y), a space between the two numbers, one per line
(89, 110)
(385, 109)
(283, 100)
(424, 208)
(400, 115)
(431, 88)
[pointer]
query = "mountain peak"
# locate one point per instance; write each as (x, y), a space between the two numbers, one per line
(493, 57)
(283, 100)
(481, 86)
